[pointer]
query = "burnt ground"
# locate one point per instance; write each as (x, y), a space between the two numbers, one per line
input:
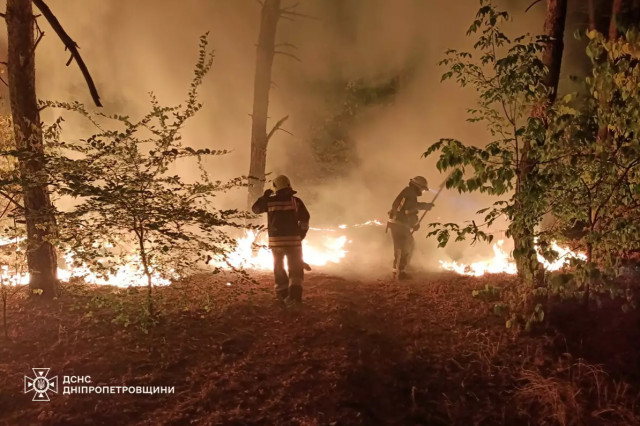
(358, 352)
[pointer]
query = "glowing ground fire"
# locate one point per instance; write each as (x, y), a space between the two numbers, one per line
(502, 263)
(324, 246)
(129, 273)
(251, 251)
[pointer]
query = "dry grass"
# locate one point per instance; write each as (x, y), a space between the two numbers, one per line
(576, 393)
(423, 352)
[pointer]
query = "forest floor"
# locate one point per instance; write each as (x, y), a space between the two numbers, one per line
(357, 352)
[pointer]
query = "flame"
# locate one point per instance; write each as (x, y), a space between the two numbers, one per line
(501, 262)
(128, 274)
(124, 276)
(323, 247)
(251, 251)
(564, 257)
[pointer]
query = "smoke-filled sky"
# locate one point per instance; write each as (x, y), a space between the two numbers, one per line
(135, 46)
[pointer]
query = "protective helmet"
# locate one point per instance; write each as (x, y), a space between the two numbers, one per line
(281, 182)
(420, 182)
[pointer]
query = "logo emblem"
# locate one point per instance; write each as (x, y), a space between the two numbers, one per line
(40, 384)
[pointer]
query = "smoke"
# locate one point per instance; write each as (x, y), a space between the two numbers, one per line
(134, 47)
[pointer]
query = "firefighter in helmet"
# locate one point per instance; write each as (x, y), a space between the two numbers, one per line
(288, 223)
(403, 222)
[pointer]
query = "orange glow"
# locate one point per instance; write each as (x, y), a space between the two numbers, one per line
(502, 262)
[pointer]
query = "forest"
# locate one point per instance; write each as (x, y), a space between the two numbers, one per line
(203, 220)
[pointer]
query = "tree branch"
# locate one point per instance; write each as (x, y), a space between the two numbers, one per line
(289, 12)
(293, 6)
(291, 45)
(291, 15)
(11, 199)
(38, 39)
(615, 186)
(277, 127)
(280, 52)
(6, 209)
(71, 45)
(531, 5)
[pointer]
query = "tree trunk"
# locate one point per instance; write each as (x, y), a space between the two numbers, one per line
(587, 284)
(554, 24)
(40, 221)
(591, 8)
(147, 272)
(616, 10)
(261, 88)
(4, 310)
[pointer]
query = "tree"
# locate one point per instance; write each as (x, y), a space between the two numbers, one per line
(39, 217)
(331, 137)
(38, 209)
(554, 25)
(595, 194)
(129, 201)
(261, 87)
(523, 235)
(12, 260)
(509, 77)
(266, 51)
(616, 11)
(591, 11)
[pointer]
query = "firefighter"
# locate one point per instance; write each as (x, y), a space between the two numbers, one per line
(288, 223)
(403, 222)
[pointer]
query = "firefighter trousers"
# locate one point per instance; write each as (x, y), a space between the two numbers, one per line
(403, 245)
(288, 284)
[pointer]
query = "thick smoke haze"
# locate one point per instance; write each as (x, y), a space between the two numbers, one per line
(133, 47)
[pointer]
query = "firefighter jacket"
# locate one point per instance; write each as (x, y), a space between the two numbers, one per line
(287, 218)
(405, 207)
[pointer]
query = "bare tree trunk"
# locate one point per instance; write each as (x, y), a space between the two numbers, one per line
(587, 284)
(262, 85)
(616, 10)
(147, 272)
(4, 307)
(552, 56)
(41, 255)
(591, 8)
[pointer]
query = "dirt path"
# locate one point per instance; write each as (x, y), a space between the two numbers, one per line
(421, 352)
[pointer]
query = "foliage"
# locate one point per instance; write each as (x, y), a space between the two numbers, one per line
(488, 293)
(581, 155)
(130, 201)
(332, 137)
(12, 246)
(595, 193)
(507, 75)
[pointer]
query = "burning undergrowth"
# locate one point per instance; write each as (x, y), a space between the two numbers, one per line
(503, 262)
(342, 248)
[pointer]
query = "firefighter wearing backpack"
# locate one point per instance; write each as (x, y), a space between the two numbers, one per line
(287, 225)
(403, 221)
